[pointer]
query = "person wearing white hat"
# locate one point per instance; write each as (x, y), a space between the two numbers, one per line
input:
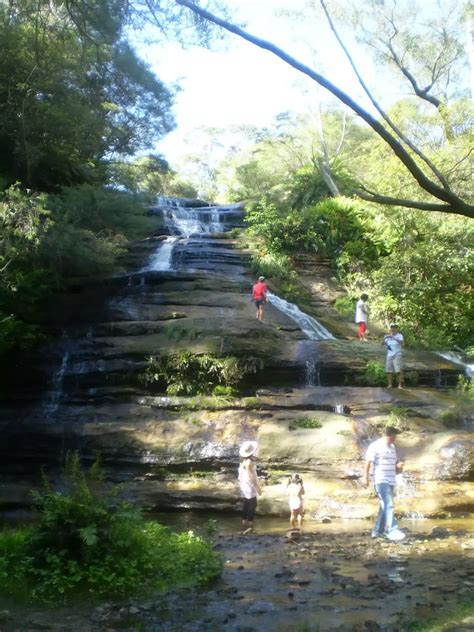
(248, 483)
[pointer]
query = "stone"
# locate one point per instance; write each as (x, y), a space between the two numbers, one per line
(440, 532)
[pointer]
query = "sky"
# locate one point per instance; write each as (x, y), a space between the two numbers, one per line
(240, 84)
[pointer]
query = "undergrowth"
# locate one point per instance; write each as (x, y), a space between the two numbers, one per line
(89, 543)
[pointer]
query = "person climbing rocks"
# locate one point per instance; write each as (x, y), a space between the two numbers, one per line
(248, 483)
(362, 317)
(259, 296)
(393, 363)
(381, 458)
(295, 500)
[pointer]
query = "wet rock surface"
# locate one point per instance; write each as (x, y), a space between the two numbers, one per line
(325, 581)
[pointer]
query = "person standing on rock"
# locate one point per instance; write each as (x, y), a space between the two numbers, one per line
(362, 317)
(381, 457)
(248, 482)
(259, 296)
(393, 363)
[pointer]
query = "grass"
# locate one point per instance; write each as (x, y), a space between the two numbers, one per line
(441, 619)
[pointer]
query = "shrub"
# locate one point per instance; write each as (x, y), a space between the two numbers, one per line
(305, 422)
(188, 374)
(344, 305)
(86, 542)
(374, 375)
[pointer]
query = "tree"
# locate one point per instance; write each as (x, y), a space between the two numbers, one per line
(433, 183)
(72, 93)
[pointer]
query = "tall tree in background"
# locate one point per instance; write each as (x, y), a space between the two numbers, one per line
(436, 187)
(72, 92)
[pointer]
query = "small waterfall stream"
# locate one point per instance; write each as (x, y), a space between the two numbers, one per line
(53, 397)
(309, 325)
(161, 258)
(456, 358)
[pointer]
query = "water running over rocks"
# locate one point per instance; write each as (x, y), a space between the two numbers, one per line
(309, 325)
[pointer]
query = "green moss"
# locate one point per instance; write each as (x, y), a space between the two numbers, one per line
(305, 422)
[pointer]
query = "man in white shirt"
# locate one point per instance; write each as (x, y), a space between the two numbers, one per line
(393, 363)
(381, 457)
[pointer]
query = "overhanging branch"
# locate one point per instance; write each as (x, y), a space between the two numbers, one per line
(452, 204)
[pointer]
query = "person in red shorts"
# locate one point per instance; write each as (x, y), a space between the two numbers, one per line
(362, 316)
(259, 296)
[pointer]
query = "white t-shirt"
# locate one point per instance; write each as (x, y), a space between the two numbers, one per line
(361, 315)
(394, 343)
(248, 488)
(384, 458)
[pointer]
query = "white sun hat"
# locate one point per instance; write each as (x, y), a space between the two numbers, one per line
(248, 448)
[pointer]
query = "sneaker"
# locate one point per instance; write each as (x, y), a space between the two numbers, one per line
(375, 534)
(396, 535)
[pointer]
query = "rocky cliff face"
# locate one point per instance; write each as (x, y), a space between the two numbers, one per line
(85, 391)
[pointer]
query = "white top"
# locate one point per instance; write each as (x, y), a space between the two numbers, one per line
(362, 313)
(394, 343)
(248, 488)
(384, 458)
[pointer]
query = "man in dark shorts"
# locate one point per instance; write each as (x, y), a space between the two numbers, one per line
(259, 296)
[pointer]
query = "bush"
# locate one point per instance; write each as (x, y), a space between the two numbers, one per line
(374, 375)
(189, 374)
(305, 422)
(85, 542)
(345, 306)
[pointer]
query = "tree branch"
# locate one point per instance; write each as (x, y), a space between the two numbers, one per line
(382, 113)
(454, 203)
(391, 201)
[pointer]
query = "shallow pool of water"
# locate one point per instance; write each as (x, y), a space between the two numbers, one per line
(228, 524)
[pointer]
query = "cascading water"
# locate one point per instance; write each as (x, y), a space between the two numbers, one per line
(53, 397)
(189, 222)
(161, 258)
(456, 358)
(308, 324)
(312, 373)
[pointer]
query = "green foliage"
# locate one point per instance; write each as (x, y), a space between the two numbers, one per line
(446, 618)
(305, 422)
(88, 542)
(72, 96)
(374, 375)
(25, 279)
(47, 238)
(189, 374)
(212, 527)
(344, 305)
(307, 185)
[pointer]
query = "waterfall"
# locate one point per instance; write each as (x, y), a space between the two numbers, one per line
(406, 489)
(456, 358)
(312, 374)
(308, 324)
(193, 221)
(53, 397)
(161, 258)
(339, 409)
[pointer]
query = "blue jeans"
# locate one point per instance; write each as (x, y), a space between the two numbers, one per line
(385, 521)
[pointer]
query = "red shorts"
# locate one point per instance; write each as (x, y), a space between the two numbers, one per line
(362, 328)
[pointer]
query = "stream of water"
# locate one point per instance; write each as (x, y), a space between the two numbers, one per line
(187, 222)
